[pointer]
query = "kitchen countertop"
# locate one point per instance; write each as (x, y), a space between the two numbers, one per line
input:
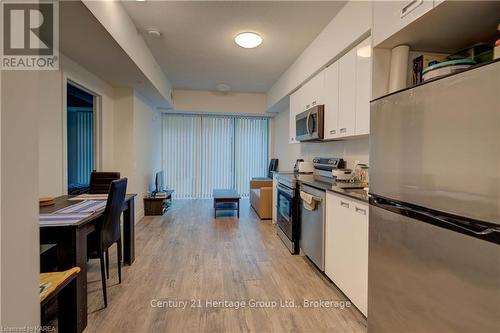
(336, 187)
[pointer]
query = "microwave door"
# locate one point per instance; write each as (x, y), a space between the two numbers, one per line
(311, 130)
(301, 124)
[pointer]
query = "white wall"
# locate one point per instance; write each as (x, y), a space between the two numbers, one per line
(217, 102)
(147, 144)
(349, 26)
(124, 151)
(52, 150)
(76, 73)
(137, 153)
(351, 150)
(130, 140)
(50, 144)
(281, 149)
(22, 92)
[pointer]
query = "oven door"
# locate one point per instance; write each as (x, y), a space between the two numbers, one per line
(285, 210)
(309, 124)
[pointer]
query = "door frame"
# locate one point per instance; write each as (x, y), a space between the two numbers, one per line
(97, 103)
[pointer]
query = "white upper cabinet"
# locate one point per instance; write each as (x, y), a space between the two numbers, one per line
(295, 102)
(307, 96)
(331, 99)
(344, 88)
(312, 92)
(347, 94)
(391, 16)
(363, 86)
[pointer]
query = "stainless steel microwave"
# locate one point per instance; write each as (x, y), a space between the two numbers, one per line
(309, 124)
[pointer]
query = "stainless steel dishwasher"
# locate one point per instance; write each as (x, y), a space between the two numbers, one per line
(312, 240)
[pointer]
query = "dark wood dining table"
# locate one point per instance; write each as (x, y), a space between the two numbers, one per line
(71, 240)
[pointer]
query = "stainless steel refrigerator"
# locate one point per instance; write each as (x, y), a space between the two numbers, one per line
(434, 234)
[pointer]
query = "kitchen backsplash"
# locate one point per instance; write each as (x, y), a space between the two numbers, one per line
(351, 151)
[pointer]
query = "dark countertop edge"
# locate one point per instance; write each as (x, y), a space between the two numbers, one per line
(354, 196)
(326, 187)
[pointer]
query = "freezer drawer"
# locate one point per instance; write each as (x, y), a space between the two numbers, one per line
(424, 278)
(438, 145)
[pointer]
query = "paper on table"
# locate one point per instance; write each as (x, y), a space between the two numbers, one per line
(89, 197)
(57, 219)
(88, 206)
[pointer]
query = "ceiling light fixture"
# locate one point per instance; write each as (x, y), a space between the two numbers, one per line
(222, 87)
(248, 40)
(154, 32)
(365, 51)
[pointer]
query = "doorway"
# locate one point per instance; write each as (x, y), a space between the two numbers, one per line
(80, 117)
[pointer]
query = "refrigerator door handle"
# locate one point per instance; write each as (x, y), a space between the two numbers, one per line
(404, 210)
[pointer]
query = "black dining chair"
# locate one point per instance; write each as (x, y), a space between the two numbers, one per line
(108, 232)
(101, 181)
(273, 166)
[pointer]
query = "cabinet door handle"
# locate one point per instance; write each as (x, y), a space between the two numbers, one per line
(333, 132)
(411, 6)
(344, 204)
(343, 130)
(361, 210)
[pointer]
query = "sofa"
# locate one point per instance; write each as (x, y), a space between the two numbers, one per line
(261, 197)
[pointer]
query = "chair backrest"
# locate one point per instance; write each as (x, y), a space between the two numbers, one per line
(100, 181)
(110, 229)
(273, 166)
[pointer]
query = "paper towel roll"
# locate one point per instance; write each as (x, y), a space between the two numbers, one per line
(399, 67)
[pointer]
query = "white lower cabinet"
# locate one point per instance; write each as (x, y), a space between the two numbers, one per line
(346, 247)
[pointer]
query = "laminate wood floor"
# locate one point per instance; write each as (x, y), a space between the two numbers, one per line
(188, 255)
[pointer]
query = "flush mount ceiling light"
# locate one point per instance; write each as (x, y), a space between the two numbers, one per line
(222, 87)
(154, 32)
(248, 40)
(365, 51)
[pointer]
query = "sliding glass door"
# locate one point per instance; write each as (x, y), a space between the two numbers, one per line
(251, 151)
(181, 154)
(201, 153)
(217, 155)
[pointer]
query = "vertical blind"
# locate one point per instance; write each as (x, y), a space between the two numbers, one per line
(80, 141)
(251, 151)
(201, 153)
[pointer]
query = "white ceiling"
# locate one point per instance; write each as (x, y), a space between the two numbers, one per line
(197, 49)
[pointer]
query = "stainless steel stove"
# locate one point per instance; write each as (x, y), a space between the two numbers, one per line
(288, 224)
(323, 167)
